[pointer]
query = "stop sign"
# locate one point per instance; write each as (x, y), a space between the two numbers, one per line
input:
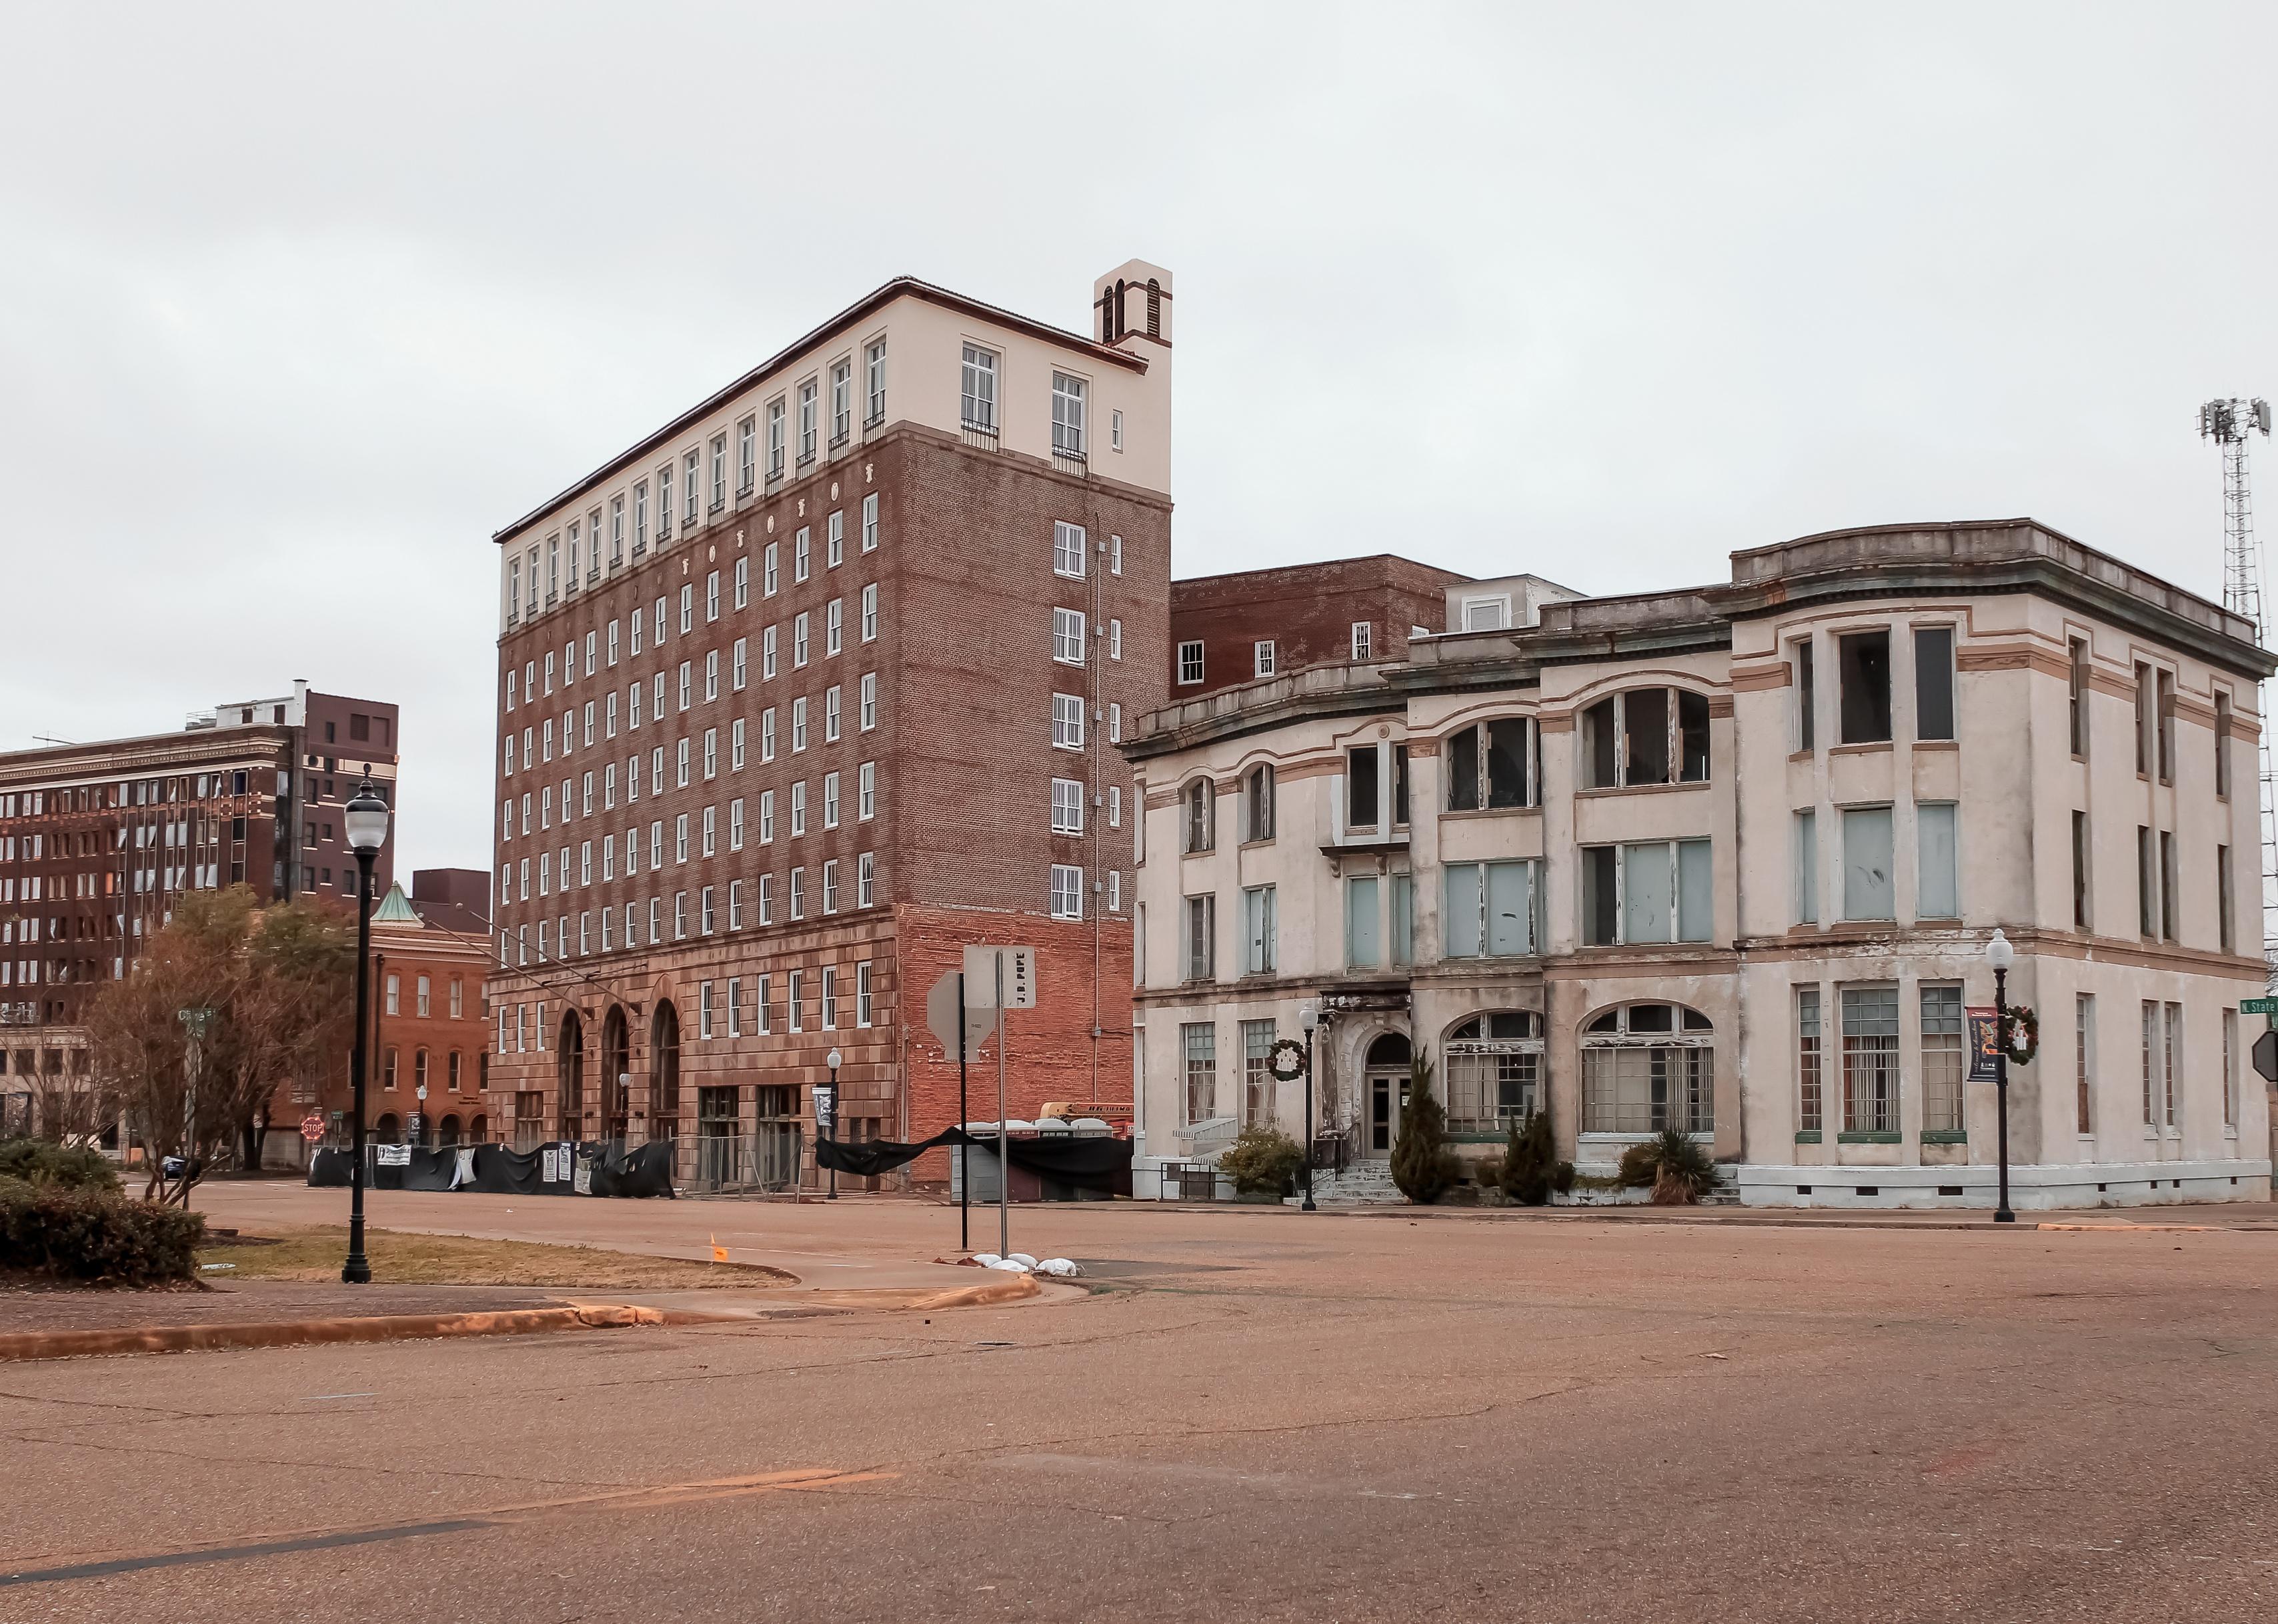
(2266, 1057)
(312, 1127)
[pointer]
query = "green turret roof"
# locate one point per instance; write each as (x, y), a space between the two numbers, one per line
(395, 909)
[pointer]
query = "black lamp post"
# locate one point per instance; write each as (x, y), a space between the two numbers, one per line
(1309, 1015)
(832, 1059)
(366, 818)
(2000, 955)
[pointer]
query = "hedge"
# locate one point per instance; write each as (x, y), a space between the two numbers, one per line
(38, 1160)
(85, 1235)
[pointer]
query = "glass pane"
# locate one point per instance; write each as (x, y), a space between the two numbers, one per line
(1403, 919)
(1647, 900)
(1866, 674)
(1807, 867)
(1693, 735)
(1941, 897)
(1934, 682)
(1644, 727)
(1360, 788)
(1867, 889)
(1507, 762)
(1598, 894)
(1461, 914)
(1598, 746)
(1509, 909)
(1363, 925)
(1696, 907)
(1463, 771)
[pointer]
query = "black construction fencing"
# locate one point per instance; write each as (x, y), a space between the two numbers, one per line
(563, 1167)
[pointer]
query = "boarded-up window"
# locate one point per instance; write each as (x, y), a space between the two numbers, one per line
(1940, 893)
(1867, 893)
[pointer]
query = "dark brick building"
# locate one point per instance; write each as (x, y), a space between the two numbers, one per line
(1227, 630)
(97, 841)
(809, 690)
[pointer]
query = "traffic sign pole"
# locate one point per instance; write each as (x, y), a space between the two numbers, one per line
(964, 1150)
(1004, 1169)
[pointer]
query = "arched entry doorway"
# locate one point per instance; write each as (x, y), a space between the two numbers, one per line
(1386, 1073)
(664, 1072)
(615, 1068)
(570, 1075)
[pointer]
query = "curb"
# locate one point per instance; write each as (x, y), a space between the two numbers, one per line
(294, 1333)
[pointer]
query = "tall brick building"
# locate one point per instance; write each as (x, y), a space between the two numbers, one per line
(97, 841)
(807, 690)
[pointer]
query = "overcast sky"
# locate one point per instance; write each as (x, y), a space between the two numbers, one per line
(298, 303)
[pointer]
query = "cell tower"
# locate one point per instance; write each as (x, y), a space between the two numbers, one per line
(2228, 423)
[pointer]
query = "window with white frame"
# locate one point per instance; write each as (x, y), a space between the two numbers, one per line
(1067, 892)
(1068, 636)
(1363, 640)
(1261, 658)
(775, 422)
(1067, 722)
(1068, 415)
(1651, 891)
(1941, 1057)
(862, 992)
(1199, 945)
(873, 386)
(1494, 764)
(809, 405)
(1645, 735)
(870, 523)
(870, 613)
(866, 792)
(1492, 909)
(1067, 550)
(1646, 1068)
(842, 401)
(977, 392)
(1260, 933)
(1870, 1059)
(830, 714)
(834, 540)
(1067, 806)
(1190, 662)
(1494, 1071)
(866, 702)
(834, 626)
(1115, 639)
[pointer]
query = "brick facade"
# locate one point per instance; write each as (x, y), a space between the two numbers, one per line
(1307, 610)
(970, 561)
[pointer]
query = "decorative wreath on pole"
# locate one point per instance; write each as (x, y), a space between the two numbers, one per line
(1285, 1062)
(2023, 1039)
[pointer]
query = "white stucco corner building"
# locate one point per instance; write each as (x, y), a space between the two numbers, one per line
(1727, 859)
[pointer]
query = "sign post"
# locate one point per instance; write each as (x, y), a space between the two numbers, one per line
(1010, 975)
(963, 1027)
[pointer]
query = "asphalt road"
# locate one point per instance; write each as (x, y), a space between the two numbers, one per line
(1256, 1415)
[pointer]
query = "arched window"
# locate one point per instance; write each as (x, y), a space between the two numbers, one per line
(1494, 1071)
(448, 1132)
(1198, 802)
(569, 1072)
(664, 1072)
(1493, 765)
(1645, 735)
(1647, 1067)
(613, 1069)
(478, 1130)
(387, 1129)
(1257, 804)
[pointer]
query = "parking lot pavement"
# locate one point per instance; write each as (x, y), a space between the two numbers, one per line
(1247, 1416)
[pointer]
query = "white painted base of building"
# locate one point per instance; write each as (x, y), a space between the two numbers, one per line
(2031, 1188)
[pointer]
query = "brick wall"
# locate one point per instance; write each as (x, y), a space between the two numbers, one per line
(1307, 610)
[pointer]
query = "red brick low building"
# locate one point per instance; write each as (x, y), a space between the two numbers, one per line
(1230, 629)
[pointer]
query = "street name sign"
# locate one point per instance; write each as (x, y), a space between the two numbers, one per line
(1020, 968)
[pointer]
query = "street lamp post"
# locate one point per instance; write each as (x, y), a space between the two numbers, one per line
(832, 1059)
(366, 818)
(1309, 1015)
(2000, 955)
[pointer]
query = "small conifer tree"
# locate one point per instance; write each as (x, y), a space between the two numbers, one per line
(1423, 1166)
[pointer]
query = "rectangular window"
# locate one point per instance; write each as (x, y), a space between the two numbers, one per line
(799, 724)
(1068, 636)
(1199, 1041)
(1067, 892)
(1115, 724)
(1363, 640)
(828, 1004)
(866, 792)
(798, 808)
(977, 394)
(1364, 923)
(2078, 708)
(747, 456)
(842, 401)
(1490, 908)
(1809, 1081)
(862, 992)
(2166, 886)
(1942, 1058)
(2226, 928)
(1656, 891)
(1067, 806)
(2166, 693)
(874, 391)
(1068, 415)
(865, 877)
(1190, 662)
(1869, 891)
(1201, 945)
(1261, 658)
(2084, 1062)
(799, 637)
(2080, 870)
(834, 540)
(810, 402)
(1806, 845)
(866, 702)
(2173, 1067)
(775, 440)
(2222, 745)
(2152, 1053)
(1937, 871)
(1258, 1081)
(1067, 550)
(1067, 722)
(798, 893)
(830, 711)
(1806, 696)
(2147, 882)
(870, 613)
(1362, 781)
(1864, 662)
(1492, 766)
(2230, 1067)
(1260, 948)
(1934, 682)
(2143, 718)
(1871, 1060)
(870, 523)
(795, 990)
